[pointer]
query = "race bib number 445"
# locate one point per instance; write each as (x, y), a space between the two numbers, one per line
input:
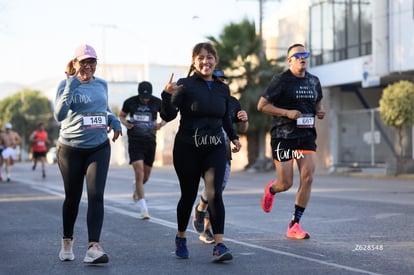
(305, 121)
(94, 121)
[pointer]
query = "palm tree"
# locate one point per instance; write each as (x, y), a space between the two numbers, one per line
(249, 72)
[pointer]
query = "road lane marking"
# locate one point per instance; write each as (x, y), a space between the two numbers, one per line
(173, 225)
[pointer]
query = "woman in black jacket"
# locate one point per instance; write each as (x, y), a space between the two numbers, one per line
(199, 147)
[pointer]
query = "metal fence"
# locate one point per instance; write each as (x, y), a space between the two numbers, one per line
(364, 140)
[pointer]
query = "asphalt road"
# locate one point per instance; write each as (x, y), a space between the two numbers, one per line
(358, 225)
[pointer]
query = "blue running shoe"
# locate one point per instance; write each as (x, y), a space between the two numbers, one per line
(181, 250)
(221, 253)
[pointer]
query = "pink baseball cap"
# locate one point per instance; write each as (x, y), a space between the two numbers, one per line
(83, 52)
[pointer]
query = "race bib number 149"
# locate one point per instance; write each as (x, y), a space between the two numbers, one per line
(94, 121)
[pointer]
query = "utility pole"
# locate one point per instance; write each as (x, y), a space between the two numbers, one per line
(104, 27)
(261, 135)
(262, 53)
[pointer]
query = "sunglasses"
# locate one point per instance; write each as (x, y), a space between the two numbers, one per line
(300, 55)
(90, 62)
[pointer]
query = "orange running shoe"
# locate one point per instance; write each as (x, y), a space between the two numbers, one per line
(295, 232)
(268, 198)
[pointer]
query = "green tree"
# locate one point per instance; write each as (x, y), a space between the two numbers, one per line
(396, 108)
(24, 110)
(240, 53)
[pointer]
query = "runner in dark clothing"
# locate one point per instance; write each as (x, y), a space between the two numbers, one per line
(199, 147)
(293, 99)
(201, 220)
(139, 116)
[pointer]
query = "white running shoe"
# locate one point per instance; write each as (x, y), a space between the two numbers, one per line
(144, 215)
(95, 255)
(207, 237)
(66, 252)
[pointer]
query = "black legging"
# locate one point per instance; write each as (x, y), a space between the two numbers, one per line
(75, 165)
(190, 163)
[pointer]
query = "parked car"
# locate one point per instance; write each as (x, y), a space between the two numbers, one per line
(51, 155)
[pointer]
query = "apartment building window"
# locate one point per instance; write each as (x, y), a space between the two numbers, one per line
(339, 30)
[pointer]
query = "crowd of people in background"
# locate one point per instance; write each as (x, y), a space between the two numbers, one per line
(11, 150)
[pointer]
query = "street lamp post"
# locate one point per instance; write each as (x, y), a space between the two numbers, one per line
(104, 27)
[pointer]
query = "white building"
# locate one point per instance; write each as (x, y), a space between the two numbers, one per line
(357, 48)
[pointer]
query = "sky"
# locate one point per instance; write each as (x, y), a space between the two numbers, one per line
(38, 38)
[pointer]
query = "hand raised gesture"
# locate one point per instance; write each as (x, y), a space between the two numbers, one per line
(172, 87)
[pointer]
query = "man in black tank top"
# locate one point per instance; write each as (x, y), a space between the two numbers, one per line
(293, 99)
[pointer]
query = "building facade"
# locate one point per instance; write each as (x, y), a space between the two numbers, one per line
(357, 47)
